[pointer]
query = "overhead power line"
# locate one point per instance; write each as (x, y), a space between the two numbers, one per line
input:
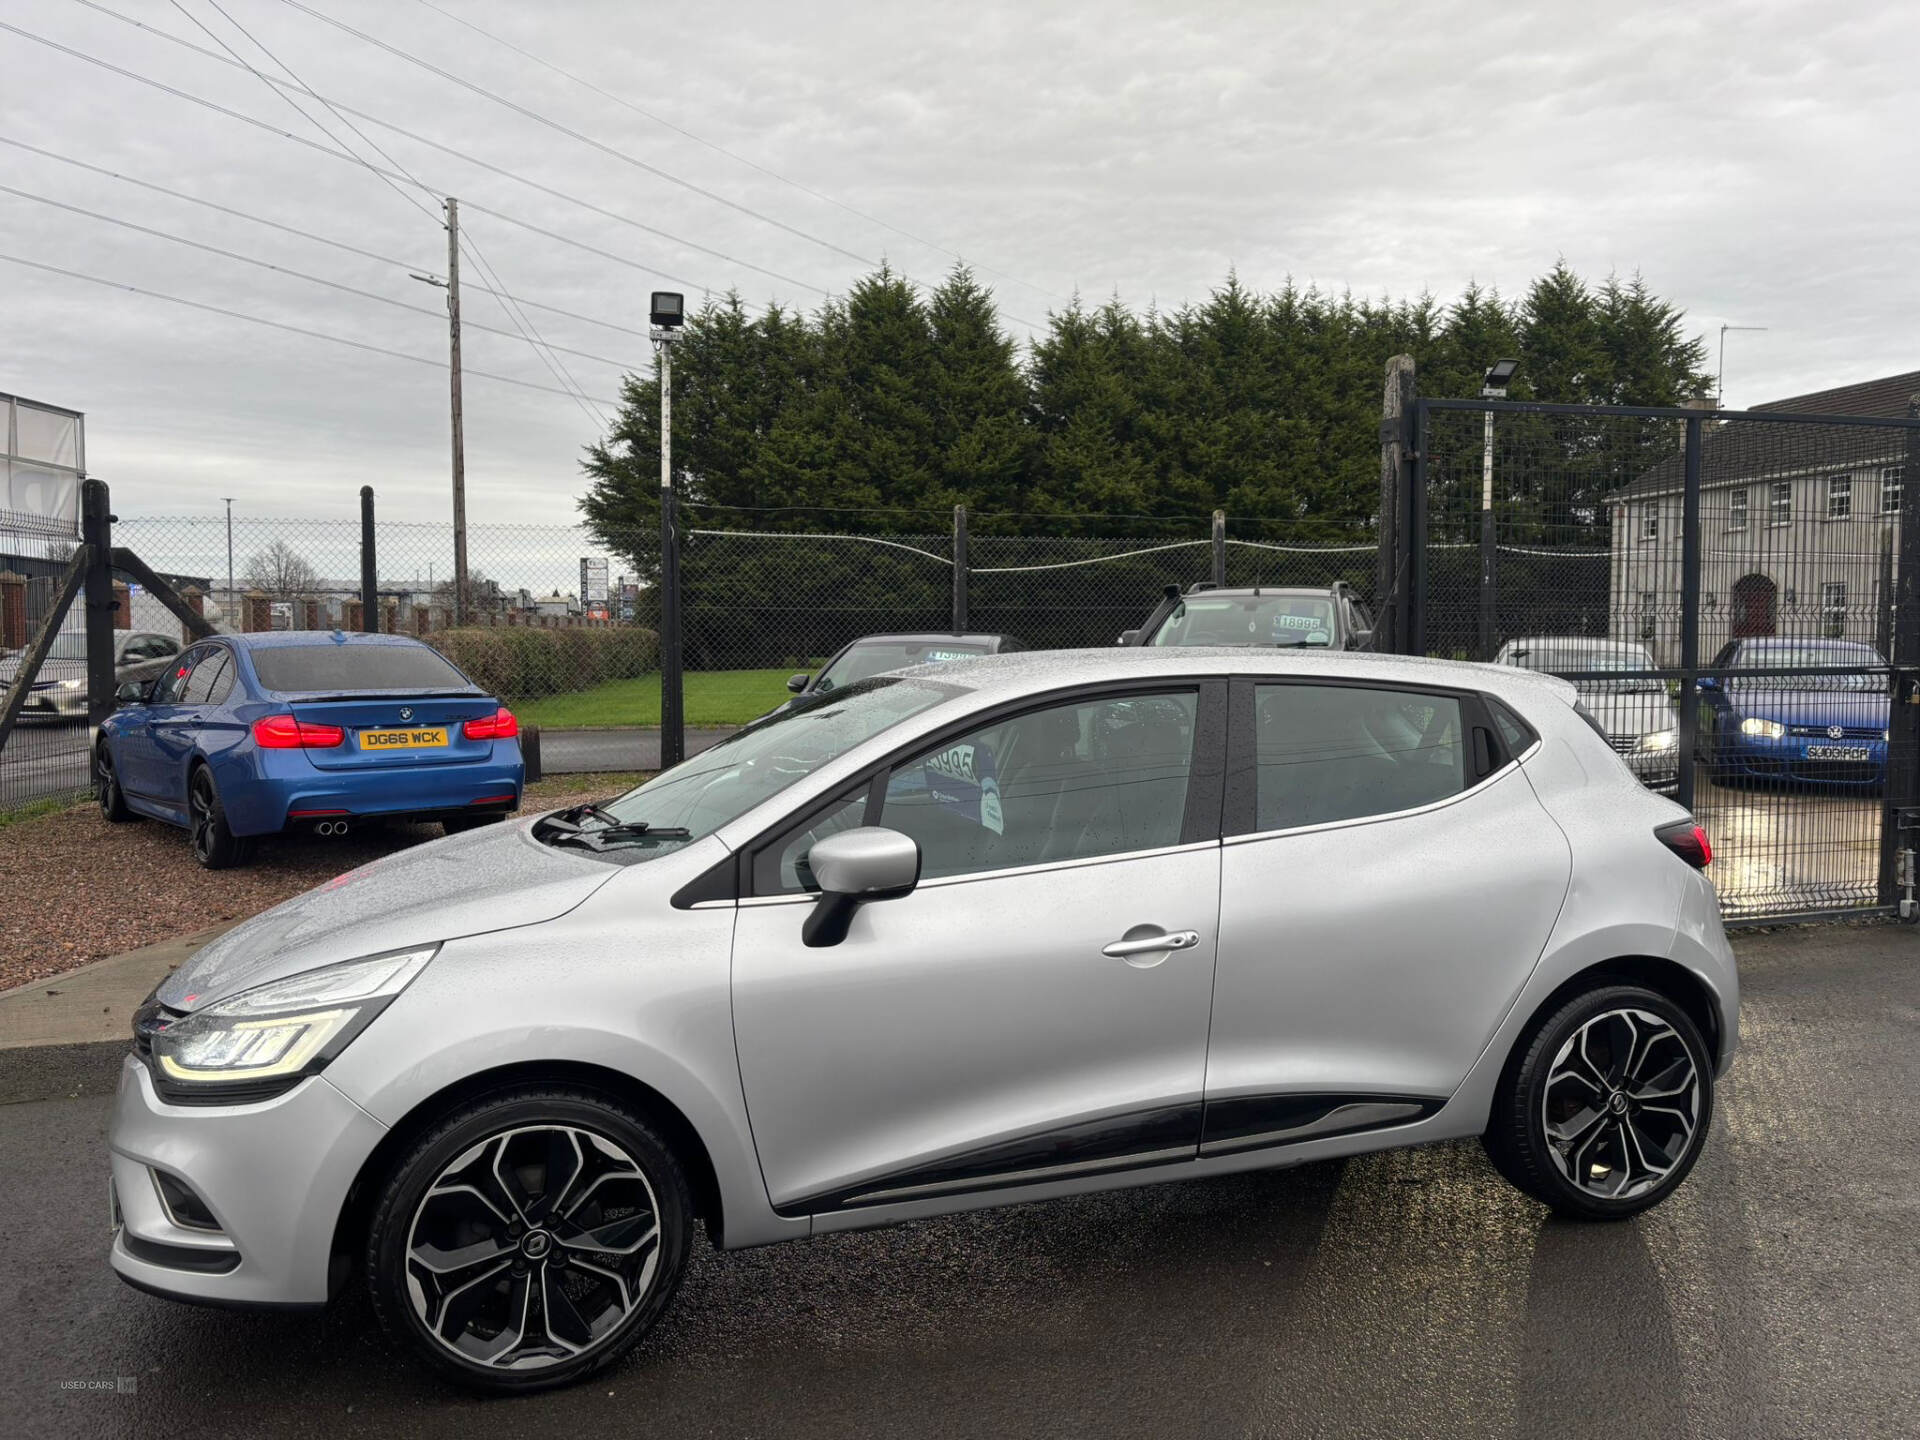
(315, 145)
(417, 138)
(281, 325)
(734, 155)
(554, 364)
(287, 270)
(411, 267)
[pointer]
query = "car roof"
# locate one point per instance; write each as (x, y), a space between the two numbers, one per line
(895, 637)
(1022, 672)
(1262, 591)
(273, 639)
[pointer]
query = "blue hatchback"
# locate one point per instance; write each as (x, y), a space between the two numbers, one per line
(1826, 728)
(249, 735)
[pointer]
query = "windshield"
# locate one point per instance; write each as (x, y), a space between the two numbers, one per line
(1561, 657)
(698, 796)
(1283, 620)
(867, 658)
(292, 669)
(1842, 655)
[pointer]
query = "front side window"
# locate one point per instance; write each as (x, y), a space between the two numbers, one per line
(1336, 752)
(1071, 782)
(207, 684)
(1839, 497)
(171, 685)
(1892, 487)
(1737, 509)
(1780, 503)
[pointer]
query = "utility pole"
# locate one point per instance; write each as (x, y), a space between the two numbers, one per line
(459, 440)
(228, 607)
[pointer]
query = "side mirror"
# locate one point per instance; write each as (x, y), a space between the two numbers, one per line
(797, 683)
(131, 693)
(1363, 639)
(853, 868)
(1127, 637)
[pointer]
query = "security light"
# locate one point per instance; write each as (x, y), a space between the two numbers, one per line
(1499, 375)
(669, 309)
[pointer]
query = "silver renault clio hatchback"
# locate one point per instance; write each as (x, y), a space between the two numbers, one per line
(986, 932)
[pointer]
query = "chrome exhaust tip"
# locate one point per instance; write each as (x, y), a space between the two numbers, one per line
(330, 828)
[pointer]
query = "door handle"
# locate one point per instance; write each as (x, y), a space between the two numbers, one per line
(1150, 944)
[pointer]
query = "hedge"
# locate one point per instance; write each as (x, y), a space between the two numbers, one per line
(518, 663)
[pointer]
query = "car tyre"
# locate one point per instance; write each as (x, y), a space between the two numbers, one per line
(1605, 1105)
(113, 800)
(553, 1280)
(215, 845)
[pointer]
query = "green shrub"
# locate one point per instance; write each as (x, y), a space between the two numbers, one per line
(524, 663)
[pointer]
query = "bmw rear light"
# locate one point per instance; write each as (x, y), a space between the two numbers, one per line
(498, 726)
(283, 732)
(1687, 840)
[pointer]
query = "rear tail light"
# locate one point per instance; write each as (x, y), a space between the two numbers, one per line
(1687, 840)
(283, 732)
(498, 726)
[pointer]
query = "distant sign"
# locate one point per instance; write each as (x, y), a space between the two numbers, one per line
(42, 457)
(593, 583)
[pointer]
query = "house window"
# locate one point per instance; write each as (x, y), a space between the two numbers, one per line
(1833, 608)
(1891, 489)
(1839, 497)
(1780, 503)
(1737, 509)
(1650, 522)
(1646, 615)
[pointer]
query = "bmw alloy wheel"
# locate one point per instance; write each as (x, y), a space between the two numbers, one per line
(532, 1247)
(1621, 1105)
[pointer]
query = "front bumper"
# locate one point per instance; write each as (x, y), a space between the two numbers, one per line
(54, 703)
(274, 1176)
(1754, 757)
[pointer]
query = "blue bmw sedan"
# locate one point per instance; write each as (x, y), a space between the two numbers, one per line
(1825, 727)
(250, 735)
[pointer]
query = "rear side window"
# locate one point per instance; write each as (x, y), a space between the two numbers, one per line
(1514, 732)
(1335, 752)
(355, 668)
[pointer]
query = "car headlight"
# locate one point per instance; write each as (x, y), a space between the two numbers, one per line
(282, 1031)
(1766, 729)
(1886, 734)
(1656, 740)
(73, 684)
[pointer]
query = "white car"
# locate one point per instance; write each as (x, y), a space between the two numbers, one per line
(1633, 709)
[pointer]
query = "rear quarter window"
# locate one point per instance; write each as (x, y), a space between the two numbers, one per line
(292, 669)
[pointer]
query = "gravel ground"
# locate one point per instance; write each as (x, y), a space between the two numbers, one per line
(74, 889)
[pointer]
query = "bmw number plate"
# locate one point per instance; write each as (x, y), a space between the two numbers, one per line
(1837, 752)
(402, 739)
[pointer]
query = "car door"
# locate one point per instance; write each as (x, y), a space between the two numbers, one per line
(139, 755)
(176, 735)
(1388, 881)
(1003, 1024)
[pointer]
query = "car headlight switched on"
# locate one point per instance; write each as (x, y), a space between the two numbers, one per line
(1657, 740)
(267, 1039)
(73, 684)
(1765, 729)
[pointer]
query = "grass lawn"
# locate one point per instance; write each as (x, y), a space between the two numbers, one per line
(713, 697)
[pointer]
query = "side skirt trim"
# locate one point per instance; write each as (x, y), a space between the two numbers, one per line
(1252, 1122)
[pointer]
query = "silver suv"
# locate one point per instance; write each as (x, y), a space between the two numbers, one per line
(984, 932)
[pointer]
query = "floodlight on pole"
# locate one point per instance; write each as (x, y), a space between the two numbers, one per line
(1498, 377)
(668, 311)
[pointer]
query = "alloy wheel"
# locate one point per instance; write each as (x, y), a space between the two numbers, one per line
(1621, 1105)
(200, 807)
(533, 1247)
(103, 773)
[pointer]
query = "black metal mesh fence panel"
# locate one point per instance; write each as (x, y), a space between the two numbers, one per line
(1556, 540)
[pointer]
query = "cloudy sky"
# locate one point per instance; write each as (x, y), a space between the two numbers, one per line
(1754, 161)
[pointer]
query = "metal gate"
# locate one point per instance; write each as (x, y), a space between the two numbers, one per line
(1733, 592)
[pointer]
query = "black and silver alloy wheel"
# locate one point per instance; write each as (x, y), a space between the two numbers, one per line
(215, 845)
(530, 1238)
(1621, 1104)
(533, 1246)
(1605, 1105)
(113, 800)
